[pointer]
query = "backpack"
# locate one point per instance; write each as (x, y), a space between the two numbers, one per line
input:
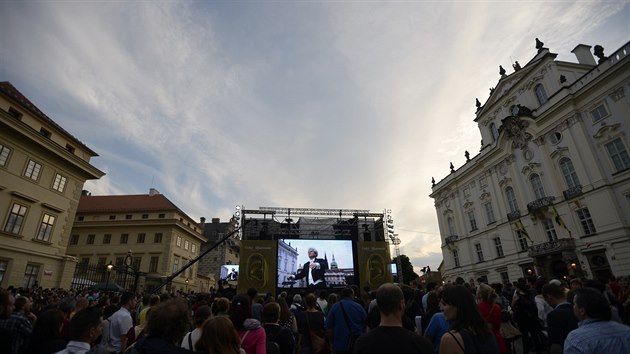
(272, 347)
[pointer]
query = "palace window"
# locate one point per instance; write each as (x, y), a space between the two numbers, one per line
(618, 154)
(541, 94)
(479, 252)
(16, 219)
(141, 237)
(537, 186)
(451, 226)
(124, 238)
(157, 238)
(32, 170)
(472, 220)
(489, 212)
(550, 230)
(498, 246)
(74, 239)
(522, 240)
(587, 222)
(511, 199)
(456, 258)
(59, 183)
(90, 239)
(568, 172)
(4, 154)
(153, 265)
(598, 113)
(30, 276)
(107, 239)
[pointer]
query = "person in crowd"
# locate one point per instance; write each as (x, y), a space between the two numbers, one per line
(167, 324)
(202, 313)
(85, 326)
(310, 320)
(390, 336)
(46, 337)
(287, 318)
(218, 336)
(575, 285)
(15, 327)
(430, 287)
(501, 299)
(313, 270)
(433, 307)
(596, 333)
(322, 304)
(120, 323)
(81, 303)
(221, 307)
(67, 305)
(436, 328)
(331, 300)
(282, 336)
(296, 305)
(154, 300)
(541, 305)
(526, 316)
(491, 312)
(137, 332)
(468, 331)
(612, 302)
(561, 320)
(256, 305)
(253, 338)
(345, 322)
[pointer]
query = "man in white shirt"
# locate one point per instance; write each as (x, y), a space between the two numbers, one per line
(121, 321)
(85, 326)
(313, 270)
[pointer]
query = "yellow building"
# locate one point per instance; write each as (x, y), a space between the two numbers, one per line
(42, 172)
(162, 238)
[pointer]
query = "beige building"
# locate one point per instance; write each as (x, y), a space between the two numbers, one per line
(162, 238)
(549, 192)
(42, 172)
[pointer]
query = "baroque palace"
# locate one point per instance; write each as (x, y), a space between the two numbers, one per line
(549, 192)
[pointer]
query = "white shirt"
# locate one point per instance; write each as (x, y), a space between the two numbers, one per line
(120, 323)
(311, 281)
(75, 347)
(194, 337)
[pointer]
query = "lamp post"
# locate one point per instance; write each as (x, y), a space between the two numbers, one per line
(110, 266)
(187, 285)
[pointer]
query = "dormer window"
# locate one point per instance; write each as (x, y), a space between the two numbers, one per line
(541, 94)
(45, 132)
(15, 113)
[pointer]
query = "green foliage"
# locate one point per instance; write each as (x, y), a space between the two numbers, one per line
(407, 269)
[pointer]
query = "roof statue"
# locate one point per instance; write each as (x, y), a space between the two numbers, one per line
(432, 182)
(467, 155)
(598, 50)
(501, 70)
(477, 104)
(452, 168)
(539, 45)
(516, 66)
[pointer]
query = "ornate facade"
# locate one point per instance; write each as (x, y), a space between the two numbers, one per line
(549, 192)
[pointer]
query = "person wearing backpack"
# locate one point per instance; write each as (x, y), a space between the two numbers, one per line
(252, 335)
(280, 340)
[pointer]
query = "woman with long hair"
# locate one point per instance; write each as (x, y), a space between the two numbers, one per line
(287, 318)
(218, 336)
(491, 312)
(468, 332)
(253, 337)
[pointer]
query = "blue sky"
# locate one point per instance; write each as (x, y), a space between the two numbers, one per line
(327, 104)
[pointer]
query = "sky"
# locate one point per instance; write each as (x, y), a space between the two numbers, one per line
(302, 104)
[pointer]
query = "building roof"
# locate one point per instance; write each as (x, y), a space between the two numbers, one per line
(9, 90)
(125, 203)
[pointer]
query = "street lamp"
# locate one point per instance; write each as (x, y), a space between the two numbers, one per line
(187, 285)
(110, 266)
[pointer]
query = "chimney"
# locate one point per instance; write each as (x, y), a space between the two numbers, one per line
(202, 224)
(583, 54)
(153, 191)
(216, 220)
(86, 192)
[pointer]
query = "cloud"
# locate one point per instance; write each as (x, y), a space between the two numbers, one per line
(332, 105)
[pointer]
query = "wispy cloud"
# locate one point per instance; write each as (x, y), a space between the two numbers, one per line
(339, 105)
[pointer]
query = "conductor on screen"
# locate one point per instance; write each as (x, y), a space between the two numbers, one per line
(313, 270)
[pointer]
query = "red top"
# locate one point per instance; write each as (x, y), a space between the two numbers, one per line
(492, 314)
(255, 342)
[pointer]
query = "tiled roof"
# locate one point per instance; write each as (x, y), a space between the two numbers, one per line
(8, 89)
(125, 203)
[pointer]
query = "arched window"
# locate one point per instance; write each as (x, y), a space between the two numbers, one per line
(541, 94)
(537, 186)
(511, 199)
(494, 132)
(451, 226)
(569, 172)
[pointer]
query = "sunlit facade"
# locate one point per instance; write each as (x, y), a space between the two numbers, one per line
(549, 192)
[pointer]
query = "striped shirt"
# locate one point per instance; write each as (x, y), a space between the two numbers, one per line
(594, 336)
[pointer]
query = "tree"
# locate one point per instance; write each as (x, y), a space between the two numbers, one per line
(407, 269)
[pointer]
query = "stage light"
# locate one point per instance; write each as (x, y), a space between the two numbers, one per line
(238, 207)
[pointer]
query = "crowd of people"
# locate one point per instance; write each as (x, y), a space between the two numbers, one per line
(581, 316)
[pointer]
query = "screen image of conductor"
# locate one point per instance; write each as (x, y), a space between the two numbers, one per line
(314, 263)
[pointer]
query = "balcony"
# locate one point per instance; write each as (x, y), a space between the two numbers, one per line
(515, 215)
(559, 245)
(450, 239)
(572, 192)
(539, 204)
